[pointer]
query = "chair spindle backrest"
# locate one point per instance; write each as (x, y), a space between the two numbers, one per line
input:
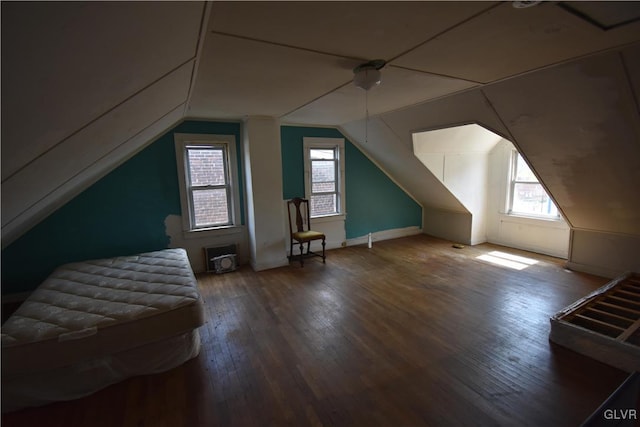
(300, 206)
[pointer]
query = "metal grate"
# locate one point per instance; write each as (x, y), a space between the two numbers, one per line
(211, 253)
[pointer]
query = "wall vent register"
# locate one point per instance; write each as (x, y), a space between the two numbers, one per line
(221, 259)
(225, 263)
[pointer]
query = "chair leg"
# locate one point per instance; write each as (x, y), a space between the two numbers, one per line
(323, 256)
(301, 254)
(290, 249)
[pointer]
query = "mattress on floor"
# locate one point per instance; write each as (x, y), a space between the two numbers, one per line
(87, 310)
(84, 378)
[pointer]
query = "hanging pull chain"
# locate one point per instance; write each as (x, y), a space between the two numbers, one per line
(366, 120)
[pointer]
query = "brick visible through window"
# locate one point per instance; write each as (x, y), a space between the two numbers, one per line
(324, 181)
(208, 185)
(324, 175)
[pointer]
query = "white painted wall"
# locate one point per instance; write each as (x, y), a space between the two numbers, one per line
(195, 242)
(604, 254)
(578, 126)
(458, 157)
(332, 227)
(263, 177)
(466, 176)
(448, 225)
(545, 236)
(473, 163)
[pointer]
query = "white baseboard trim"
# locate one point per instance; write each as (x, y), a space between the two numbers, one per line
(394, 233)
(563, 255)
(315, 246)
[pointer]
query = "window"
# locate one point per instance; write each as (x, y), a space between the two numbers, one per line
(324, 171)
(208, 177)
(527, 196)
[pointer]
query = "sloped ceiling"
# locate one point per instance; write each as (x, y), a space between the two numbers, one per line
(578, 125)
(85, 85)
(460, 139)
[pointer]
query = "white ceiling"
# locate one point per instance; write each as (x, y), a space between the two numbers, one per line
(86, 84)
(64, 66)
(460, 139)
(294, 60)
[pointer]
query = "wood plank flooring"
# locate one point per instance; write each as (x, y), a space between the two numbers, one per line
(409, 333)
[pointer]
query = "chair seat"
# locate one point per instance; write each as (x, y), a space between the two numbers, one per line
(304, 236)
(300, 217)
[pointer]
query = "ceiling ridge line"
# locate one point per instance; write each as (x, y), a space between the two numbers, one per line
(510, 136)
(584, 56)
(206, 12)
(94, 120)
(454, 26)
(93, 163)
(481, 86)
(315, 99)
(388, 126)
(426, 101)
(305, 49)
(477, 85)
(415, 70)
(560, 62)
(359, 59)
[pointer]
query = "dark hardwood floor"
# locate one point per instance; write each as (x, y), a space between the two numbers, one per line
(409, 333)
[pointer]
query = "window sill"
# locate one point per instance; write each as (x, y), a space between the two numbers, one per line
(528, 219)
(535, 217)
(213, 232)
(328, 218)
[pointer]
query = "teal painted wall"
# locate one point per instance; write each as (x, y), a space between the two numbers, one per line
(123, 213)
(293, 156)
(374, 202)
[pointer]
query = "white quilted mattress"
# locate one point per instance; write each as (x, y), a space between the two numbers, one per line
(89, 309)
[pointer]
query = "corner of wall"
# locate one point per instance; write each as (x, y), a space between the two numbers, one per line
(448, 225)
(604, 254)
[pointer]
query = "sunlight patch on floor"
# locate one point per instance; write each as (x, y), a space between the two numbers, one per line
(504, 259)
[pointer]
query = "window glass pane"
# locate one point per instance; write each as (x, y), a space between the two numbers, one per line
(323, 187)
(531, 199)
(206, 166)
(210, 207)
(316, 153)
(323, 205)
(523, 173)
(323, 171)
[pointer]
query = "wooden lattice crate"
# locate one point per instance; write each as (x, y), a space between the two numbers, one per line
(604, 325)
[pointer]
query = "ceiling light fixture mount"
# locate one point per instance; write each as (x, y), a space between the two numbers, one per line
(367, 75)
(523, 4)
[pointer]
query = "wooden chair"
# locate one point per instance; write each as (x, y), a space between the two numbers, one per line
(300, 209)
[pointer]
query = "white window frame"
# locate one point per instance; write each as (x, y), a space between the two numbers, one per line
(511, 189)
(228, 142)
(326, 143)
